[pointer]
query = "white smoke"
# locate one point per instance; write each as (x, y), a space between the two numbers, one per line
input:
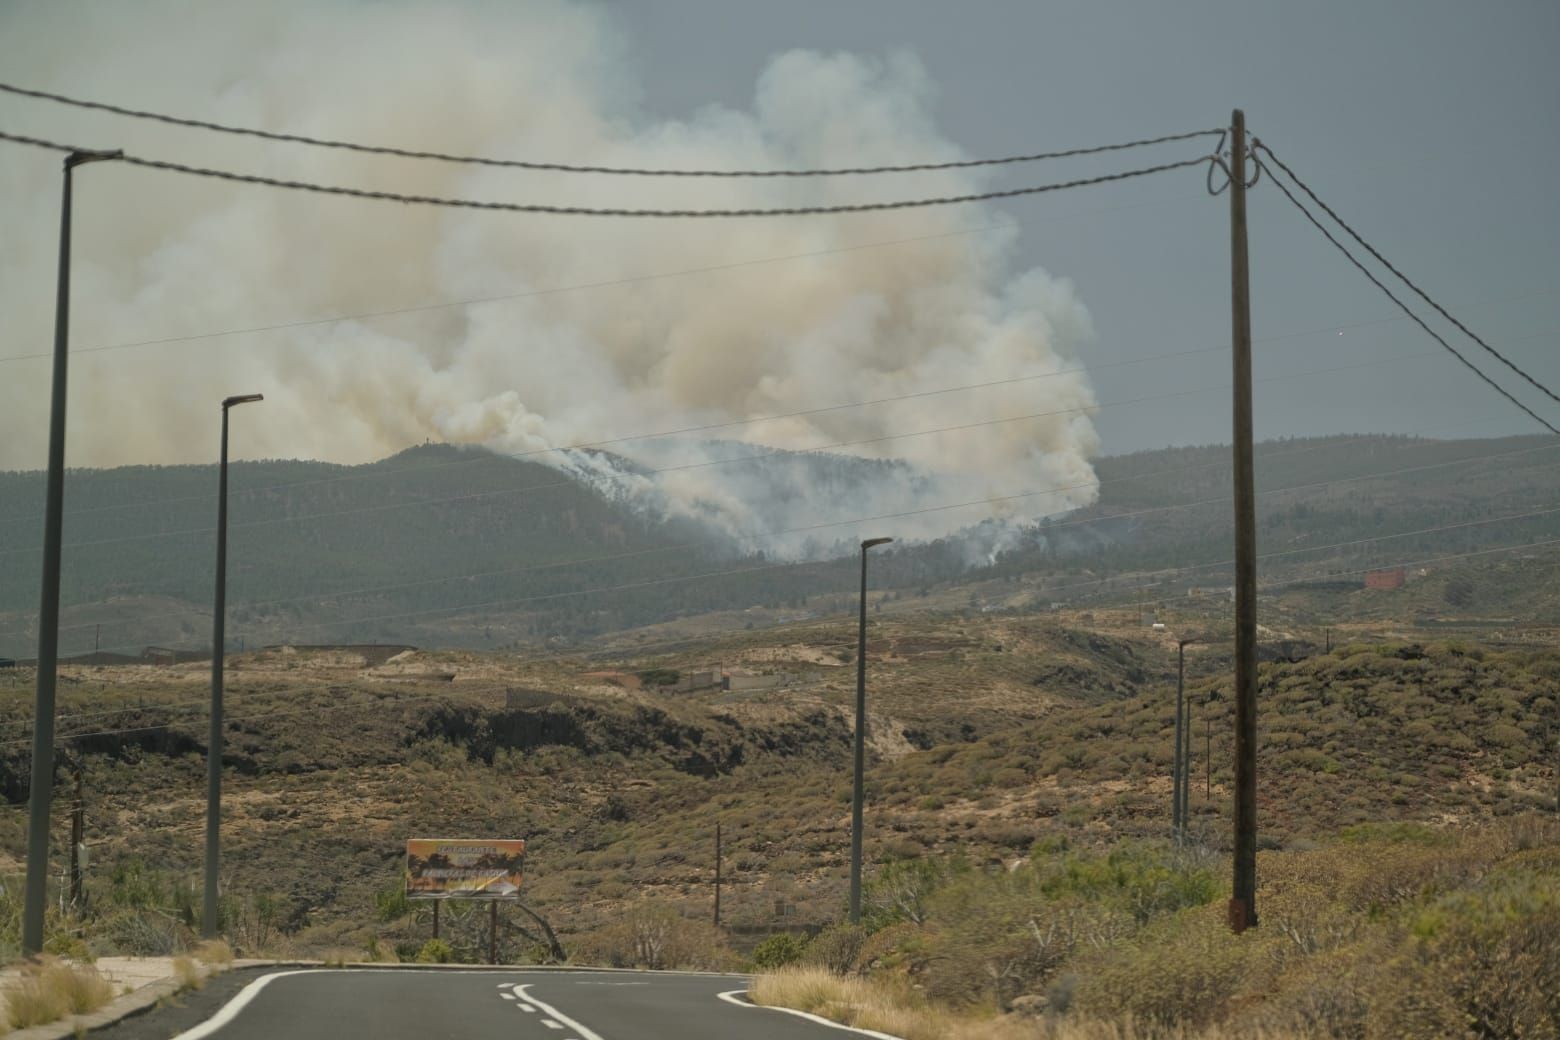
(160, 255)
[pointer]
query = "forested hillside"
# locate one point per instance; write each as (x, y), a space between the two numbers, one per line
(445, 546)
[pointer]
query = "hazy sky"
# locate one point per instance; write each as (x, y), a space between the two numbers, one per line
(1432, 125)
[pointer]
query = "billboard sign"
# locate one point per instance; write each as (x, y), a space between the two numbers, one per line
(464, 868)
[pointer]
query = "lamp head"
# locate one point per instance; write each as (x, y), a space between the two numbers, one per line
(242, 399)
(870, 542)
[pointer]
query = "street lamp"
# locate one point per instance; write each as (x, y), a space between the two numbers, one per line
(858, 795)
(1181, 769)
(208, 924)
(35, 895)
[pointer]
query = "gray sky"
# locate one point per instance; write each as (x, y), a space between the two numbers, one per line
(1432, 125)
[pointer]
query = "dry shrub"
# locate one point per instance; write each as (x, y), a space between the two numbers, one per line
(837, 948)
(1486, 978)
(214, 953)
(188, 973)
(652, 934)
(893, 1007)
(1180, 973)
(50, 989)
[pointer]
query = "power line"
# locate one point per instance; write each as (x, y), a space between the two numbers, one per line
(588, 211)
(1401, 276)
(479, 160)
(1278, 182)
(336, 319)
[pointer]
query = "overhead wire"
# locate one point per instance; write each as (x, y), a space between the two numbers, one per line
(610, 211)
(528, 164)
(1503, 359)
(1379, 284)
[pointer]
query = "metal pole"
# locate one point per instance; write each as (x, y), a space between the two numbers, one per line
(208, 922)
(493, 931)
(1243, 902)
(78, 837)
(35, 892)
(717, 874)
(1178, 764)
(1186, 773)
(858, 796)
(435, 918)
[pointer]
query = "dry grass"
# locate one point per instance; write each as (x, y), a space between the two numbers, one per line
(189, 973)
(51, 989)
(215, 954)
(897, 1010)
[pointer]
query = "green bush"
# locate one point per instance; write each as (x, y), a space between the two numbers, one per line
(435, 951)
(778, 950)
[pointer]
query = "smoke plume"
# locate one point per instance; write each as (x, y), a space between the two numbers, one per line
(591, 330)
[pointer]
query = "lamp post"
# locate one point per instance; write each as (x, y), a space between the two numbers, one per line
(208, 923)
(35, 895)
(859, 793)
(1182, 760)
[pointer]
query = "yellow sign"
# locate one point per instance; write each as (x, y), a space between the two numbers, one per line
(463, 868)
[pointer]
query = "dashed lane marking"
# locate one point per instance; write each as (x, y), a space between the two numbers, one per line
(583, 1033)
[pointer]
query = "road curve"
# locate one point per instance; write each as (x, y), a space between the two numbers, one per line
(413, 1004)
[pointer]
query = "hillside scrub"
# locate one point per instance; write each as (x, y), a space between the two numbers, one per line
(1382, 932)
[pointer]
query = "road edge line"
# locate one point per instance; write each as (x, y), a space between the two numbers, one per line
(729, 998)
(230, 1010)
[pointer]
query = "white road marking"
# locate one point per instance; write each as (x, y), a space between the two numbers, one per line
(525, 1007)
(584, 1033)
(507, 995)
(231, 1009)
(730, 997)
(550, 1024)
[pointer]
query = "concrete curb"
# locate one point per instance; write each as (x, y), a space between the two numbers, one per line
(115, 1011)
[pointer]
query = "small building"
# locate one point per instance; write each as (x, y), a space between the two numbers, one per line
(1386, 578)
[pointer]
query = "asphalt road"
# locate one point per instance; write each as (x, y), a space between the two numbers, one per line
(410, 1004)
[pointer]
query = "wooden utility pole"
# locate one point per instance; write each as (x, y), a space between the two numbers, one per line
(1243, 902)
(717, 874)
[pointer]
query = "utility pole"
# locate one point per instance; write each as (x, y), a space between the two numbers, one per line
(1186, 774)
(717, 874)
(1177, 764)
(858, 794)
(1243, 901)
(35, 893)
(492, 931)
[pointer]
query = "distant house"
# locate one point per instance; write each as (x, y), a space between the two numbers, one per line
(1387, 578)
